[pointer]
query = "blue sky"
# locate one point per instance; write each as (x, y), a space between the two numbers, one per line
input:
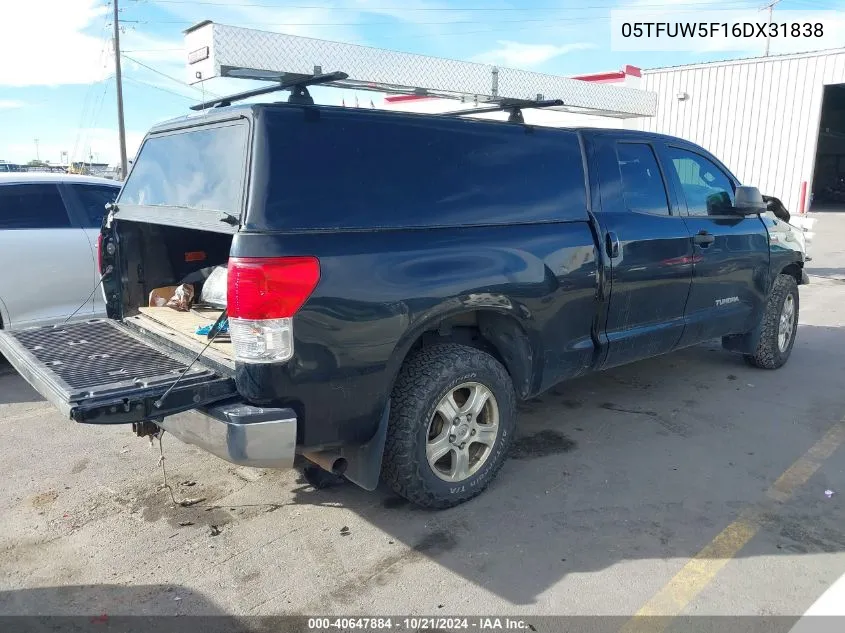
(60, 88)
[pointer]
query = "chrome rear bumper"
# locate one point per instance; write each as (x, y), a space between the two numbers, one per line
(239, 433)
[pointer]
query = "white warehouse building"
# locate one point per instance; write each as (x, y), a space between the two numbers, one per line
(777, 122)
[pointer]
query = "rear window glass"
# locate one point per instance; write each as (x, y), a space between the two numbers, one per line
(359, 170)
(201, 168)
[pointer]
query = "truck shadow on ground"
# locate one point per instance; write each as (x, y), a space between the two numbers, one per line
(13, 388)
(128, 609)
(648, 461)
(96, 604)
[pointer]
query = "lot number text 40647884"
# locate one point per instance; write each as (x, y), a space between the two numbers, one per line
(419, 623)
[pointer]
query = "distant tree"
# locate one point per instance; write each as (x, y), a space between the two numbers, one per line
(36, 163)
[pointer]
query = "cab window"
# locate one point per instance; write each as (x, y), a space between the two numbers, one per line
(707, 189)
(642, 182)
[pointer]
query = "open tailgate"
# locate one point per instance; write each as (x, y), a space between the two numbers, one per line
(101, 372)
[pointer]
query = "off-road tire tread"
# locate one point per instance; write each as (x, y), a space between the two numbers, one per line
(768, 355)
(411, 394)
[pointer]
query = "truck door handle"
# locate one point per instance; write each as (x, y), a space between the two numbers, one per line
(704, 239)
(611, 244)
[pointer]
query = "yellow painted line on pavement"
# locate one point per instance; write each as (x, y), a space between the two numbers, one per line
(656, 614)
(800, 472)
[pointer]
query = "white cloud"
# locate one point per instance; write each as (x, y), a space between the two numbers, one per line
(10, 104)
(51, 43)
(519, 55)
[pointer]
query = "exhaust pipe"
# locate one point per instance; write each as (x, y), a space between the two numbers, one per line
(330, 461)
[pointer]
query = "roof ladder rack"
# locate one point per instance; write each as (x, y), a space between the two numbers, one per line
(298, 87)
(220, 50)
(515, 106)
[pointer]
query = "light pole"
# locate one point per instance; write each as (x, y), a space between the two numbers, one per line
(121, 129)
(770, 7)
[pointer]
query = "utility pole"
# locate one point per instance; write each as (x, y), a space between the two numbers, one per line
(121, 129)
(770, 7)
(37, 154)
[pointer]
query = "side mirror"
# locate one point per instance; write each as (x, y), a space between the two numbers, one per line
(749, 201)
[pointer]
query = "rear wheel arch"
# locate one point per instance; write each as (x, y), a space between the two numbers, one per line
(501, 335)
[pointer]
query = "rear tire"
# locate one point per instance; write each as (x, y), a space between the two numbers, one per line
(452, 419)
(779, 326)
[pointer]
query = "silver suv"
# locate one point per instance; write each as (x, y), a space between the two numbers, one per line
(49, 228)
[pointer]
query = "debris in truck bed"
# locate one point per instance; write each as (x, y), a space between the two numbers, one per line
(214, 288)
(205, 329)
(182, 298)
(160, 296)
(186, 323)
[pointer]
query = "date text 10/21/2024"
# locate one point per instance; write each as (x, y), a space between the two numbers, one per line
(419, 623)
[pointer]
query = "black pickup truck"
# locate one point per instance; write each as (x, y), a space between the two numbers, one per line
(396, 283)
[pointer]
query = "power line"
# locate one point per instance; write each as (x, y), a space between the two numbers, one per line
(815, 4)
(149, 85)
(171, 78)
(438, 23)
(84, 132)
(152, 50)
(87, 103)
(452, 33)
(365, 9)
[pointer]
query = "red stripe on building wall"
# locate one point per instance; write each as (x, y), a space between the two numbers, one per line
(602, 77)
(403, 98)
(620, 75)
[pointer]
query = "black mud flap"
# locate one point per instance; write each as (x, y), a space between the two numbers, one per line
(99, 372)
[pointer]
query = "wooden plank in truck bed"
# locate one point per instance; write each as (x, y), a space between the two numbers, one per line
(185, 325)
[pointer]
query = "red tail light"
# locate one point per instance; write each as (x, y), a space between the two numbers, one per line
(100, 253)
(260, 288)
